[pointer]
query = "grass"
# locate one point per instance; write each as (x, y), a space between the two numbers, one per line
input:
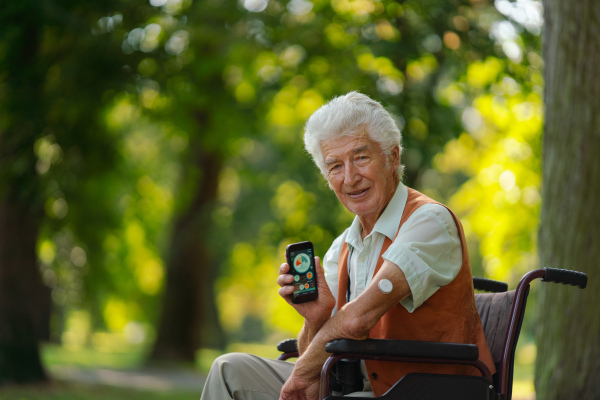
(72, 391)
(56, 357)
(524, 372)
(132, 358)
(90, 357)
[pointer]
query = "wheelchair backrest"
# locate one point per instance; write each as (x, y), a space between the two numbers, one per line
(495, 313)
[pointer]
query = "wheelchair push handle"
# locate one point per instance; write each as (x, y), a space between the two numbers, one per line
(566, 277)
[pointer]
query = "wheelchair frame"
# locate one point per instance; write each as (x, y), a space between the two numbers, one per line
(431, 386)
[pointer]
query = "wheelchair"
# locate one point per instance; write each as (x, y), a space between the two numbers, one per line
(501, 312)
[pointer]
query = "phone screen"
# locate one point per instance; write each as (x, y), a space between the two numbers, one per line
(302, 262)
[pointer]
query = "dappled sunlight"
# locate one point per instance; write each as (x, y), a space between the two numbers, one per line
(250, 289)
(48, 152)
(129, 255)
(419, 69)
(339, 37)
(483, 73)
(500, 201)
(359, 10)
(176, 127)
(122, 113)
(308, 103)
(291, 204)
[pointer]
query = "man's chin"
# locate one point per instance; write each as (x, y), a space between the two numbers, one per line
(359, 208)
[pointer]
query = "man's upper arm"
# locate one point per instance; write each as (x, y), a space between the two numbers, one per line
(428, 251)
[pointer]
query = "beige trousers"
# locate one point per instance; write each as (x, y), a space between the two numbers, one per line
(243, 376)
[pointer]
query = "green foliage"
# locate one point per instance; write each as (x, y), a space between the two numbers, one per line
(131, 92)
(432, 64)
(496, 160)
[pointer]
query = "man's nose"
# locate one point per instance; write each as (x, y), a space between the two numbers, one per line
(351, 175)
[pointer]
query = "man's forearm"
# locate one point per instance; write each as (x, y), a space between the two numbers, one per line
(307, 334)
(313, 355)
(311, 347)
(354, 320)
(304, 339)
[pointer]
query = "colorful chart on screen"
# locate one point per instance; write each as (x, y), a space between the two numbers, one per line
(301, 263)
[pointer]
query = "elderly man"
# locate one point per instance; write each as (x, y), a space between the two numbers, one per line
(400, 271)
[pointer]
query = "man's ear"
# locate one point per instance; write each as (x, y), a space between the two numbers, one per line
(395, 157)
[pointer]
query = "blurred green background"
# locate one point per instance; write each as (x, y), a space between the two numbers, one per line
(152, 152)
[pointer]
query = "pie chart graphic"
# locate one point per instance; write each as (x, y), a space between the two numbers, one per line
(301, 263)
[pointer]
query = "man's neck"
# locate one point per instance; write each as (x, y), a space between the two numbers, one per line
(368, 224)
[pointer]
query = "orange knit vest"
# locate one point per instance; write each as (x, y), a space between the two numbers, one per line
(449, 315)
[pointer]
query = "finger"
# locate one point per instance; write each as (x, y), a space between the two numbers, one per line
(283, 280)
(284, 269)
(285, 292)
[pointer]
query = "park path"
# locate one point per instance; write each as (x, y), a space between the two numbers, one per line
(152, 379)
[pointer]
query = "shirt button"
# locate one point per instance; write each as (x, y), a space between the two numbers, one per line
(362, 259)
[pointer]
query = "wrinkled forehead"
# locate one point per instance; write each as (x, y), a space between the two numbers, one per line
(343, 146)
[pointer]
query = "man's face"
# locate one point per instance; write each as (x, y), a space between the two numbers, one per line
(356, 171)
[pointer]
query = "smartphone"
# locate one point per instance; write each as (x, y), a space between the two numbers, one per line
(301, 259)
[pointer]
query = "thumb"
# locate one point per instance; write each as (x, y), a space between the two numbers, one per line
(319, 268)
(321, 281)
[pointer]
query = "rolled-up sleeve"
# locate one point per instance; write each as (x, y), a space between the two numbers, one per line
(428, 251)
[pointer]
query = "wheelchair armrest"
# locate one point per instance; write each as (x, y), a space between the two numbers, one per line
(288, 346)
(404, 348)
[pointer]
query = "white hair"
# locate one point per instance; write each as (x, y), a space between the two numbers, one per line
(353, 114)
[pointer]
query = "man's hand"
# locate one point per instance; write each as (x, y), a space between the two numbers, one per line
(315, 312)
(352, 321)
(300, 388)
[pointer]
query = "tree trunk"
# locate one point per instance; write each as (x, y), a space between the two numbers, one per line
(24, 300)
(189, 318)
(568, 329)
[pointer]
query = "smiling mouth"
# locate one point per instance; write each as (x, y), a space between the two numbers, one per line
(358, 193)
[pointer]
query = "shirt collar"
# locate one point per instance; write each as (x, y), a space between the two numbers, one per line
(388, 222)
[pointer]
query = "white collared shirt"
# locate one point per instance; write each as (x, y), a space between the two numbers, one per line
(427, 249)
